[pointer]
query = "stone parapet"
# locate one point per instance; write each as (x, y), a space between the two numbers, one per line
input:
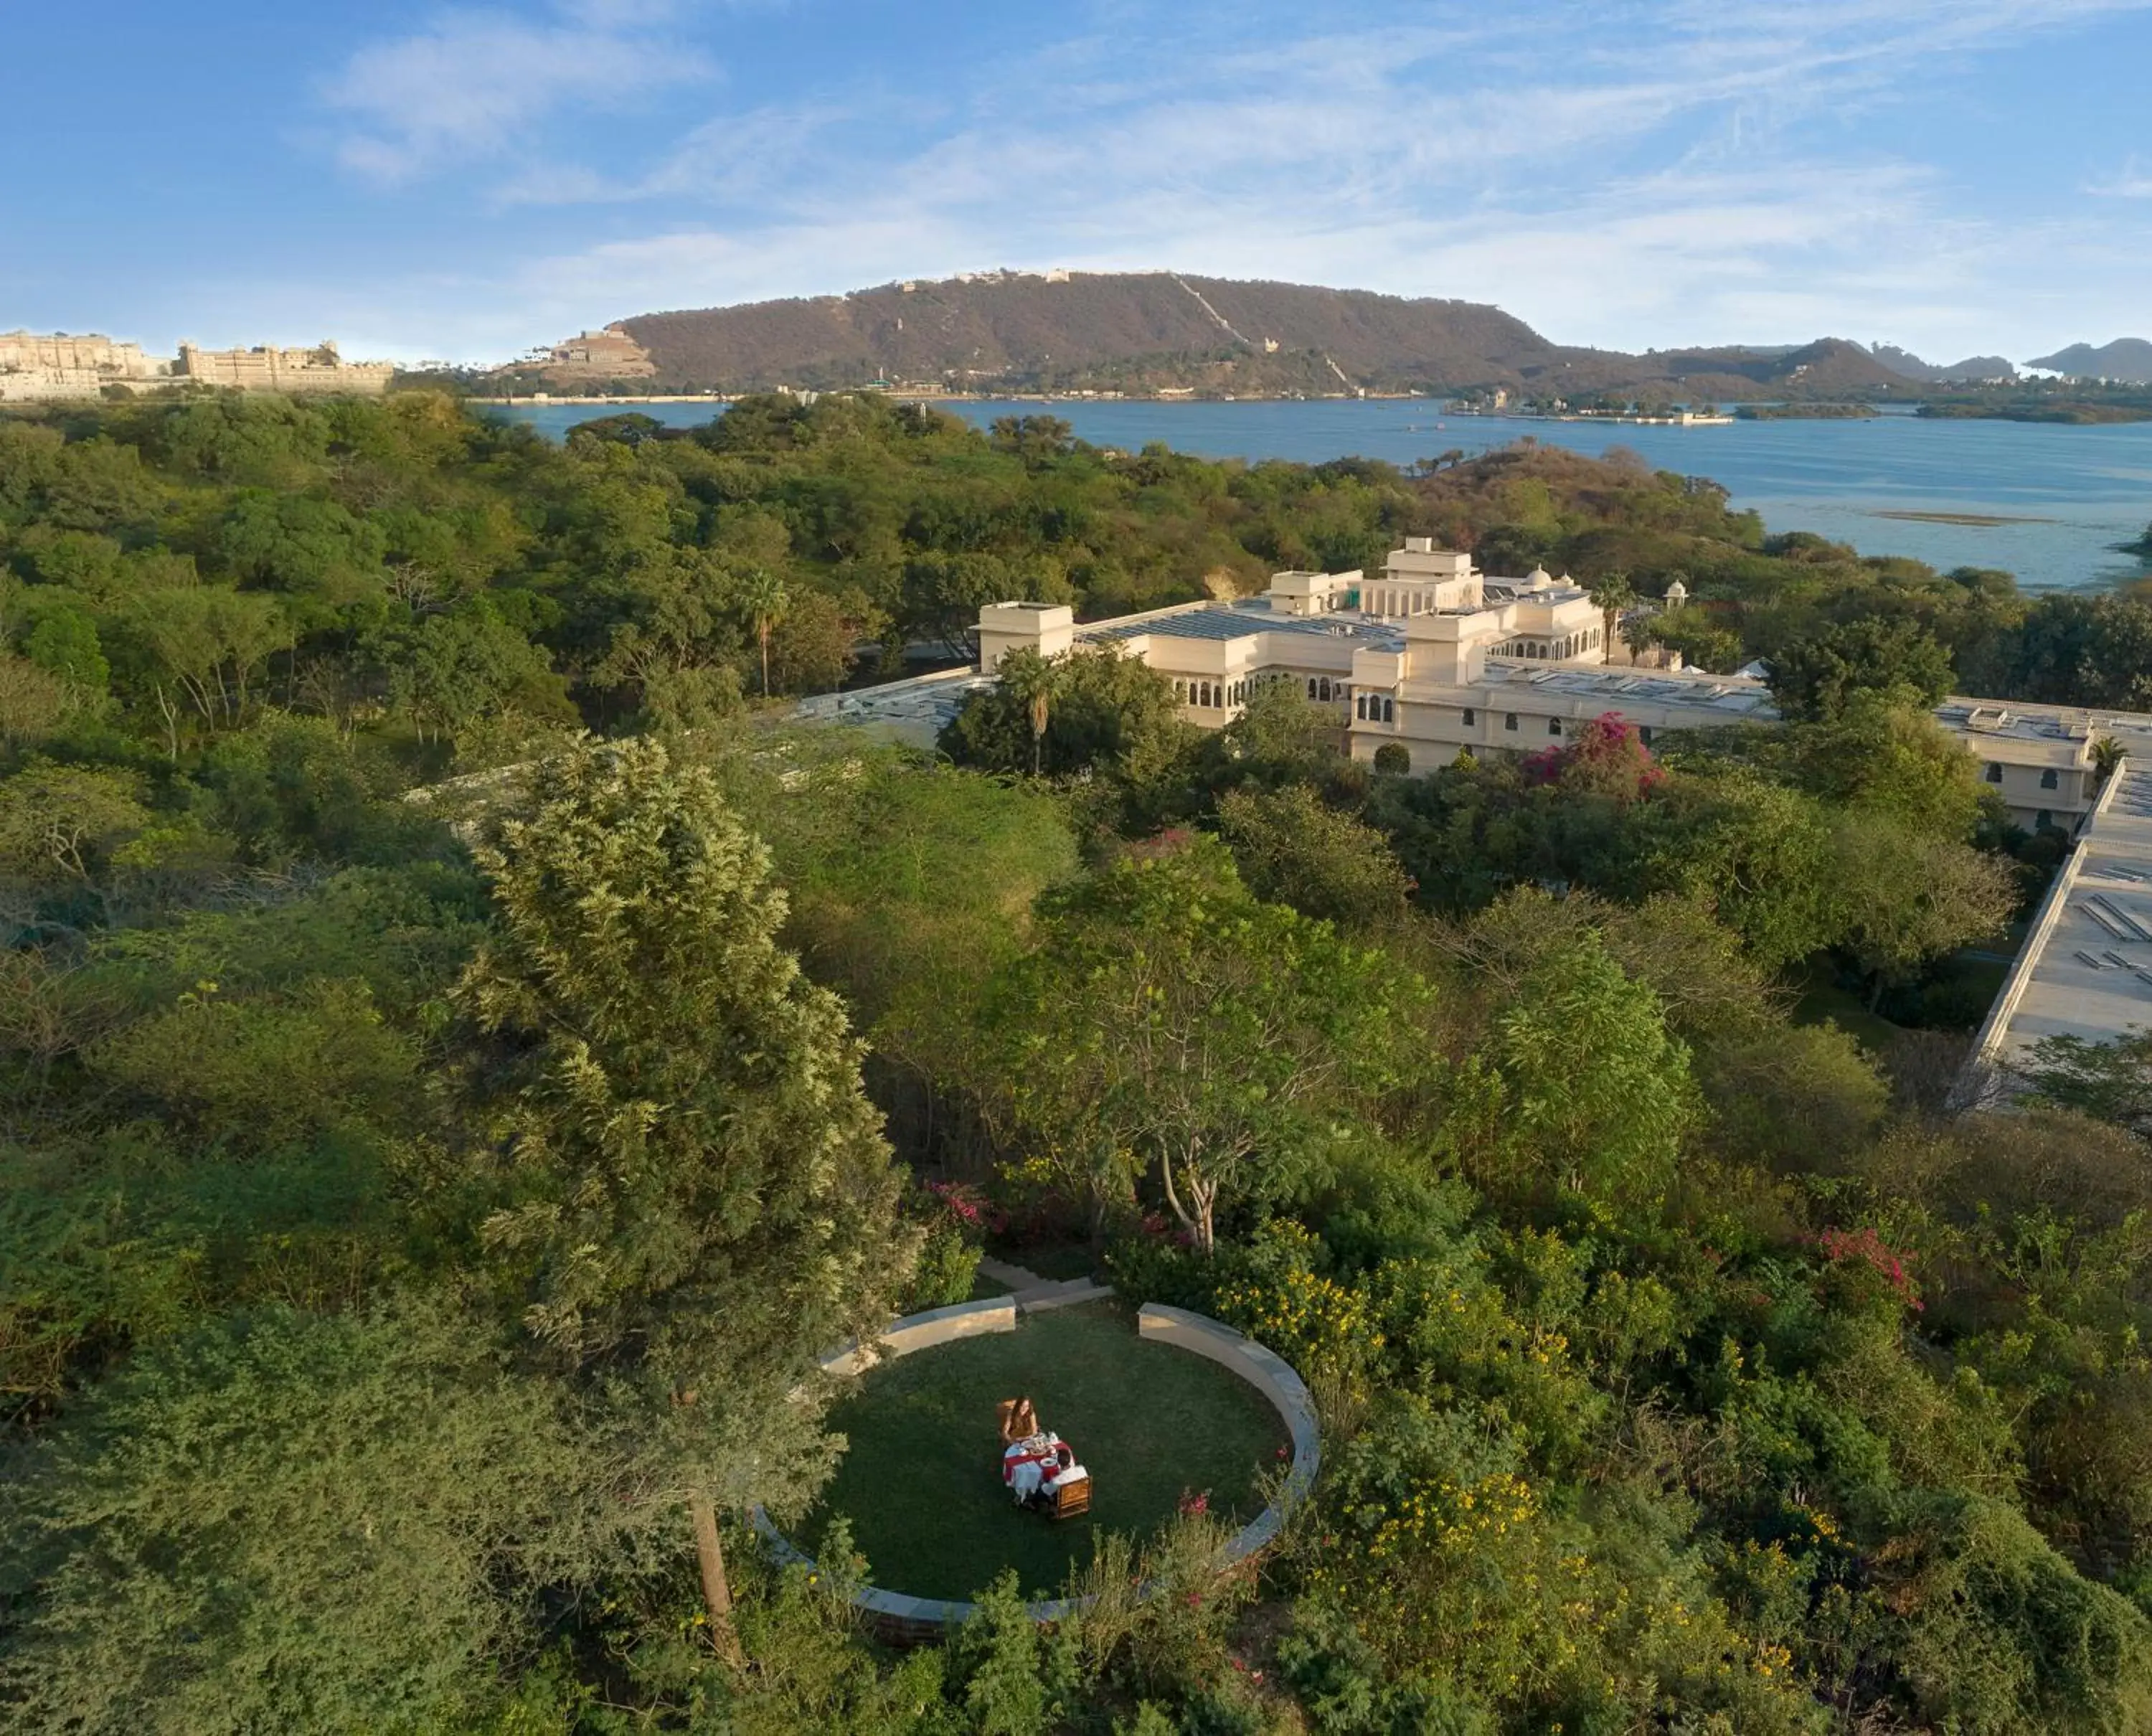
(899, 1619)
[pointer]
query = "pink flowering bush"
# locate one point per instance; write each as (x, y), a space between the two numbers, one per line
(1864, 1256)
(1606, 757)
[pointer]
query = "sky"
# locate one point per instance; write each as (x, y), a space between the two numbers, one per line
(417, 180)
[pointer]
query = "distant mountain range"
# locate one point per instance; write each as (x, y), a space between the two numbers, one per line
(1973, 368)
(2126, 359)
(1141, 333)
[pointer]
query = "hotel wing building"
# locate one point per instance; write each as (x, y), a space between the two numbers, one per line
(1434, 658)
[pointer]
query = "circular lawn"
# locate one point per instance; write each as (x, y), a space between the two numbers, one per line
(921, 1482)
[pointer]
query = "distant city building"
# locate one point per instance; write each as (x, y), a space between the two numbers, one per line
(49, 365)
(609, 354)
(41, 366)
(266, 369)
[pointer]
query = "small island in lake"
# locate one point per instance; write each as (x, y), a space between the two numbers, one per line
(2078, 403)
(1805, 412)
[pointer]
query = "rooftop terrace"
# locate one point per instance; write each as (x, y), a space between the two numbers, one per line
(2085, 969)
(1232, 621)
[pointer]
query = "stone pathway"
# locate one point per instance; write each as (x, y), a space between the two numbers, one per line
(1033, 1293)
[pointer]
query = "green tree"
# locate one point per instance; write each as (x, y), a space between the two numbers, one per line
(448, 670)
(1879, 754)
(1170, 1023)
(2108, 1081)
(199, 647)
(1701, 642)
(1030, 680)
(286, 1521)
(65, 642)
(1613, 593)
(1814, 677)
(763, 598)
(810, 647)
(1909, 898)
(1293, 849)
(1597, 1096)
(1107, 711)
(694, 1198)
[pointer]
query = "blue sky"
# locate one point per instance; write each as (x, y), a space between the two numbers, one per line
(418, 180)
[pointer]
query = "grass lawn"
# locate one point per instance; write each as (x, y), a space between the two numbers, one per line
(922, 1483)
(1821, 999)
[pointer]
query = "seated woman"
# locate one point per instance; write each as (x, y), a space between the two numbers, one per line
(1017, 1419)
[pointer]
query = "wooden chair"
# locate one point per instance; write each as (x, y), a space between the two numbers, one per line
(1072, 1500)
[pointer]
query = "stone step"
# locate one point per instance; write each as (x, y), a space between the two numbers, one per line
(1064, 1295)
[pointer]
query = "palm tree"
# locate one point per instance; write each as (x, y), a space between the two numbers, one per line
(1613, 594)
(2107, 753)
(763, 598)
(1029, 679)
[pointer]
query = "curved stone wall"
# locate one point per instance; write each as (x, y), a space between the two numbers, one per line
(900, 1618)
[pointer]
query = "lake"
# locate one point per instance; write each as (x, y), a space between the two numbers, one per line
(2074, 493)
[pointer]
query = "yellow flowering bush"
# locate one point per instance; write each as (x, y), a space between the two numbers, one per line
(1458, 1335)
(1314, 1322)
(1475, 1580)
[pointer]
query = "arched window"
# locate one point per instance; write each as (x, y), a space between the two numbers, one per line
(2050, 779)
(1553, 726)
(1471, 716)
(1994, 773)
(1181, 693)
(1360, 707)
(1204, 695)
(1311, 687)
(1325, 685)
(1389, 711)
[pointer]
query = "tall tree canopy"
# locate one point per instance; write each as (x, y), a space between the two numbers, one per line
(692, 1194)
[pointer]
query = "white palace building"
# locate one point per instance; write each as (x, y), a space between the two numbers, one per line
(1436, 658)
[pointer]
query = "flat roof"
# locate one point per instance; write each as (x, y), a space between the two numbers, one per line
(1225, 621)
(2085, 969)
(1729, 697)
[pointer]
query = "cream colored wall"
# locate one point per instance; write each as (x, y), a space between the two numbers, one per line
(1049, 629)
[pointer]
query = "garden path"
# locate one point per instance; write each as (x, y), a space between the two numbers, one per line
(1032, 1293)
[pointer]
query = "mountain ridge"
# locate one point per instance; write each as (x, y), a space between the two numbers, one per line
(1140, 332)
(1971, 369)
(2126, 359)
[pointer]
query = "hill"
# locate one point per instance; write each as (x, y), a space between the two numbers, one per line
(1828, 367)
(1125, 329)
(1142, 332)
(2126, 359)
(1973, 368)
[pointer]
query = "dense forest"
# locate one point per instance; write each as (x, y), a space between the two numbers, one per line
(465, 1053)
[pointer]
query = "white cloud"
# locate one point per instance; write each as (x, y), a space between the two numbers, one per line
(2133, 180)
(728, 160)
(1676, 171)
(473, 82)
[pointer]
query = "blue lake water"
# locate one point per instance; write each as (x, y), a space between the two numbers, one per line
(2081, 491)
